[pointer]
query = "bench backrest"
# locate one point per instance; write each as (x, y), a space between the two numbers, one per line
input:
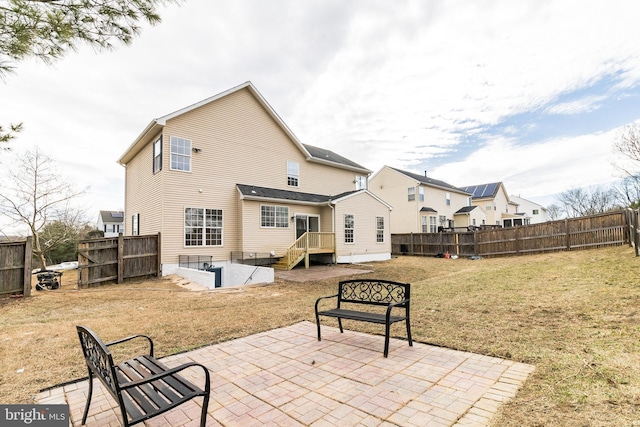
(373, 291)
(98, 357)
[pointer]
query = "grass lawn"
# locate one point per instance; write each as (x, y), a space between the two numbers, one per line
(574, 315)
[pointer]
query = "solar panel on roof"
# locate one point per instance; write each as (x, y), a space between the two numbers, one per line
(489, 189)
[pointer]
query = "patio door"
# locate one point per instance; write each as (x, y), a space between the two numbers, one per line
(306, 223)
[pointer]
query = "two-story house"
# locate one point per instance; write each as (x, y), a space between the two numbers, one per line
(111, 223)
(494, 199)
(227, 175)
(535, 212)
(422, 204)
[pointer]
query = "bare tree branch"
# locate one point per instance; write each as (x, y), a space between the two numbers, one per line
(36, 195)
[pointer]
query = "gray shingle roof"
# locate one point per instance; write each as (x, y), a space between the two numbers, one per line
(112, 216)
(288, 195)
(465, 209)
(330, 156)
(430, 181)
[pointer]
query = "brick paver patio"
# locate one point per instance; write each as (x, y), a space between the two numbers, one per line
(285, 377)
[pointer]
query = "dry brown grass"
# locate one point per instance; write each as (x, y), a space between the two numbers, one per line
(575, 316)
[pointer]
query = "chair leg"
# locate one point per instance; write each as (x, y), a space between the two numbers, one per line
(318, 325)
(86, 408)
(386, 339)
(203, 415)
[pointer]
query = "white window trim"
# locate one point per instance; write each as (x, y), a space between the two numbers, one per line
(188, 155)
(203, 245)
(411, 194)
(353, 230)
(380, 229)
(275, 217)
(295, 175)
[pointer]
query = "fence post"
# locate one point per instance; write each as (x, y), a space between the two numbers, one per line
(634, 215)
(475, 243)
(566, 230)
(158, 258)
(120, 258)
(411, 243)
(28, 256)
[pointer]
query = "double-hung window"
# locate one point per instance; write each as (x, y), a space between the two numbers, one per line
(157, 155)
(293, 174)
(202, 227)
(380, 229)
(421, 194)
(180, 154)
(411, 194)
(274, 216)
(433, 227)
(349, 226)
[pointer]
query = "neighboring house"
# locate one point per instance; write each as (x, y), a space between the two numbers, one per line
(500, 209)
(227, 176)
(111, 223)
(535, 212)
(422, 204)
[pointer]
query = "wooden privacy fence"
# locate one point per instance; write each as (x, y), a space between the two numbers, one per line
(118, 258)
(15, 267)
(609, 229)
(633, 220)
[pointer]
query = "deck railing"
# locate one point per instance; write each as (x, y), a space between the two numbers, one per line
(309, 243)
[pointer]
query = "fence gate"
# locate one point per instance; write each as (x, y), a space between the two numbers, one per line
(15, 267)
(118, 258)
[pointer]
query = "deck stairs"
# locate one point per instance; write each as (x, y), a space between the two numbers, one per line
(307, 244)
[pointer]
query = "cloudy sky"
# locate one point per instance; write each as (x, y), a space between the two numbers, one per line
(531, 93)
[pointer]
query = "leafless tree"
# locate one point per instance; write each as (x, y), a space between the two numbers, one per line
(628, 192)
(628, 144)
(36, 195)
(583, 202)
(554, 212)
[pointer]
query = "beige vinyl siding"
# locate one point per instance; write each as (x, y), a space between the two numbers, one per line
(240, 143)
(391, 187)
(143, 191)
(267, 239)
(364, 209)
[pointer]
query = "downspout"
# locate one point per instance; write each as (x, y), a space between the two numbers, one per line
(333, 230)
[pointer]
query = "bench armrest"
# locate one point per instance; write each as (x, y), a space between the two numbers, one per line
(121, 340)
(168, 373)
(321, 298)
(404, 303)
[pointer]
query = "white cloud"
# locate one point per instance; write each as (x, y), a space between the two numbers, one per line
(398, 83)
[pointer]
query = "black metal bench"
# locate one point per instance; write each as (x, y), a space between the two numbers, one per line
(142, 386)
(370, 292)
